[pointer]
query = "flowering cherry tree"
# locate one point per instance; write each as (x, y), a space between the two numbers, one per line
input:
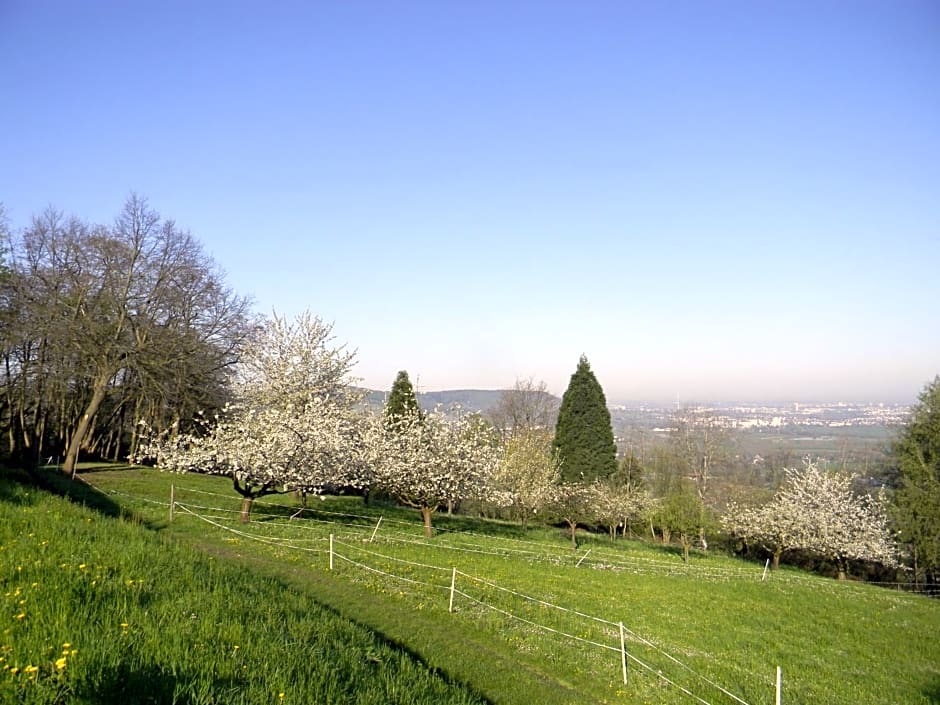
(619, 504)
(526, 478)
(292, 425)
(427, 462)
(818, 511)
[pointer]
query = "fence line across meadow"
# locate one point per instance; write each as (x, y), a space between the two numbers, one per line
(600, 558)
(290, 543)
(334, 553)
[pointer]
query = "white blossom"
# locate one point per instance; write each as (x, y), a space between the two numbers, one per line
(818, 511)
(428, 462)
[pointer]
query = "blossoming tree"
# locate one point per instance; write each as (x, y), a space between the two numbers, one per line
(818, 511)
(427, 462)
(292, 426)
(526, 478)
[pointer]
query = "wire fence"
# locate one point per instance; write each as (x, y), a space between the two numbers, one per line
(515, 607)
(354, 543)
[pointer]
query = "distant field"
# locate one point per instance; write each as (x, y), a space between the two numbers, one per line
(535, 622)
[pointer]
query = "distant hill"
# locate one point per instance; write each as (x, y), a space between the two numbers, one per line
(481, 400)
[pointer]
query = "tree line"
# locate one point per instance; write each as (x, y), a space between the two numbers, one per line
(102, 326)
(123, 341)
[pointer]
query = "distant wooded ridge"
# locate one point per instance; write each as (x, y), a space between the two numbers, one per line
(481, 400)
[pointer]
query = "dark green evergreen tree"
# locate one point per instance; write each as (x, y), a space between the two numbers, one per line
(917, 494)
(402, 401)
(584, 438)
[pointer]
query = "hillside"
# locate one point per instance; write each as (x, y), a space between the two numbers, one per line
(471, 400)
(541, 621)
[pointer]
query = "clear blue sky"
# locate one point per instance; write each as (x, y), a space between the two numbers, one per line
(720, 200)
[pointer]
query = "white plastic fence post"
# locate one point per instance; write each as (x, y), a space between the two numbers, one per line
(766, 565)
(331, 551)
(172, 502)
(623, 654)
(453, 585)
(578, 564)
(376, 530)
(779, 698)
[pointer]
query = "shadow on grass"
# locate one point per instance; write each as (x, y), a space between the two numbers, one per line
(77, 491)
(932, 692)
(147, 684)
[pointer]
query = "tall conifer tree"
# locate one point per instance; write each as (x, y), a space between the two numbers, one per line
(401, 400)
(584, 437)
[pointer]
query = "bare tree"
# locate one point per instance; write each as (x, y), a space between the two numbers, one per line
(527, 406)
(114, 314)
(701, 447)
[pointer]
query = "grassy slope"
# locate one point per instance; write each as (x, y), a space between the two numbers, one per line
(98, 610)
(836, 643)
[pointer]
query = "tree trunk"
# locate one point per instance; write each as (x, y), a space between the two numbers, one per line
(573, 525)
(245, 515)
(84, 422)
(843, 568)
(685, 547)
(667, 535)
(426, 513)
(776, 560)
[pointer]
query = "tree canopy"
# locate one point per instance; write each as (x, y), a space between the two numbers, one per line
(292, 425)
(107, 324)
(819, 512)
(917, 493)
(429, 462)
(584, 437)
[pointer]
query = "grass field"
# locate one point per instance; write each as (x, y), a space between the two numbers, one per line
(532, 620)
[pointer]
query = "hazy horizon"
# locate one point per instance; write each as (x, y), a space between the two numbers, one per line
(715, 201)
(683, 403)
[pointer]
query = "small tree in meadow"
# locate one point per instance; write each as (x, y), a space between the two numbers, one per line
(430, 462)
(292, 427)
(525, 480)
(620, 504)
(681, 513)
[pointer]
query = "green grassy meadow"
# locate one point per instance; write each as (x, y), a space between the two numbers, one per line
(532, 620)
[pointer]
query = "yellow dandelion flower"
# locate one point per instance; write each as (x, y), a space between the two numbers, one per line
(30, 669)
(82, 566)
(60, 663)
(124, 625)
(35, 585)
(21, 615)
(67, 645)
(14, 670)
(73, 652)
(280, 696)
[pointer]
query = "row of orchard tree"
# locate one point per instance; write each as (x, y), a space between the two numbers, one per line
(123, 340)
